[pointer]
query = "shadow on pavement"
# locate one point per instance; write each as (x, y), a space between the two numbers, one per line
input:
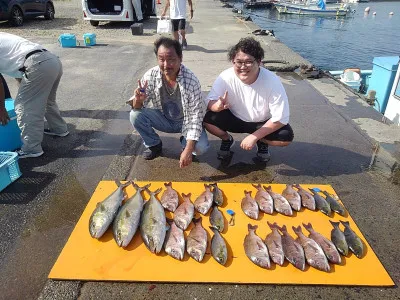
(298, 159)
(26, 188)
(193, 47)
(41, 23)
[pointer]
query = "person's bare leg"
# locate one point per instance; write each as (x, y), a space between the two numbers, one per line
(214, 130)
(183, 34)
(275, 143)
(176, 35)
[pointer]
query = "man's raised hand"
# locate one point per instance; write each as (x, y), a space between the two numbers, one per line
(222, 103)
(139, 95)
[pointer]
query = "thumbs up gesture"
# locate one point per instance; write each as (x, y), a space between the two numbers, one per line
(221, 103)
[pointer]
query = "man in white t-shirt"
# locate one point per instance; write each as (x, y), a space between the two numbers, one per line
(39, 73)
(177, 13)
(247, 98)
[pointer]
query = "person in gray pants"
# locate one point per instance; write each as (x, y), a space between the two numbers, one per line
(39, 72)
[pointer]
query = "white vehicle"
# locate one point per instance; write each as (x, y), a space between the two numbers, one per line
(117, 10)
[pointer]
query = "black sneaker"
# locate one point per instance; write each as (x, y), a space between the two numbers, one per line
(152, 152)
(263, 152)
(225, 148)
(184, 44)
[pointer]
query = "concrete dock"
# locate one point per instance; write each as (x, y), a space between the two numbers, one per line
(339, 140)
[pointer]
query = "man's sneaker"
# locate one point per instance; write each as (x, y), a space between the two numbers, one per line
(152, 152)
(184, 44)
(225, 148)
(263, 152)
(49, 132)
(22, 154)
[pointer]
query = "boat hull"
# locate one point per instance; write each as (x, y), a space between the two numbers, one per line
(303, 10)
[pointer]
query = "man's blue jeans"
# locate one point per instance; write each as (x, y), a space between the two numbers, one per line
(145, 120)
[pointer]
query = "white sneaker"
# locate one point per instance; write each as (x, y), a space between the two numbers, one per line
(22, 154)
(48, 132)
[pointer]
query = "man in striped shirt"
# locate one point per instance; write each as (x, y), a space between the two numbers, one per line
(168, 99)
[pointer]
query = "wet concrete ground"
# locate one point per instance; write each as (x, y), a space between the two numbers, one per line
(39, 211)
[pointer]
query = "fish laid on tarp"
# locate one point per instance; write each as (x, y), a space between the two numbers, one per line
(336, 206)
(264, 200)
(255, 248)
(127, 220)
(204, 202)
(293, 251)
(184, 213)
(314, 254)
(292, 196)
(170, 198)
(218, 196)
(307, 199)
(338, 239)
(175, 241)
(321, 203)
(217, 220)
(105, 211)
(153, 224)
(218, 247)
(280, 203)
(329, 248)
(274, 245)
(353, 240)
(249, 206)
(196, 243)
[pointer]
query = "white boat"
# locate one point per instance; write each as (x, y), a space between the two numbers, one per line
(312, 8)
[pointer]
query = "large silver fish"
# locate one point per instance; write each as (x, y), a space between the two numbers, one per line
(204, 202)
(280, 203)
(292, 196)
(170, 198)
(153, 223)
(255, 248)
(264, 200)
(353, 240)
(196, 244)
(218, 196)
(217, 220)
(274, 245)
(338, 238)
(184, 213)
(218, 247)
(105, 211)
(307, 200)
(336, 206)
(175, 241)
(314, 254)
(127, 220)
(321, 203)
(249, 206)
(293, 251)
(329, 248)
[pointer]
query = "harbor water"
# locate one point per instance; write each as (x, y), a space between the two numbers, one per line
(336, 43)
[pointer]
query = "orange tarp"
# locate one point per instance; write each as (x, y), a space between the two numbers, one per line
(85, 258)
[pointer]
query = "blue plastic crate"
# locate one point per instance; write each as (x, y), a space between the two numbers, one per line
(89, 39)
(67, 40)
(10, 134)
(9, 169)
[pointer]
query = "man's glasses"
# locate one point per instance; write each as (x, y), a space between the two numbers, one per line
(247, 63)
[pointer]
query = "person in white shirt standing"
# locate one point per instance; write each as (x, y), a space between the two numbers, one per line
(39, 73)
(177, 13)
(247, 98)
